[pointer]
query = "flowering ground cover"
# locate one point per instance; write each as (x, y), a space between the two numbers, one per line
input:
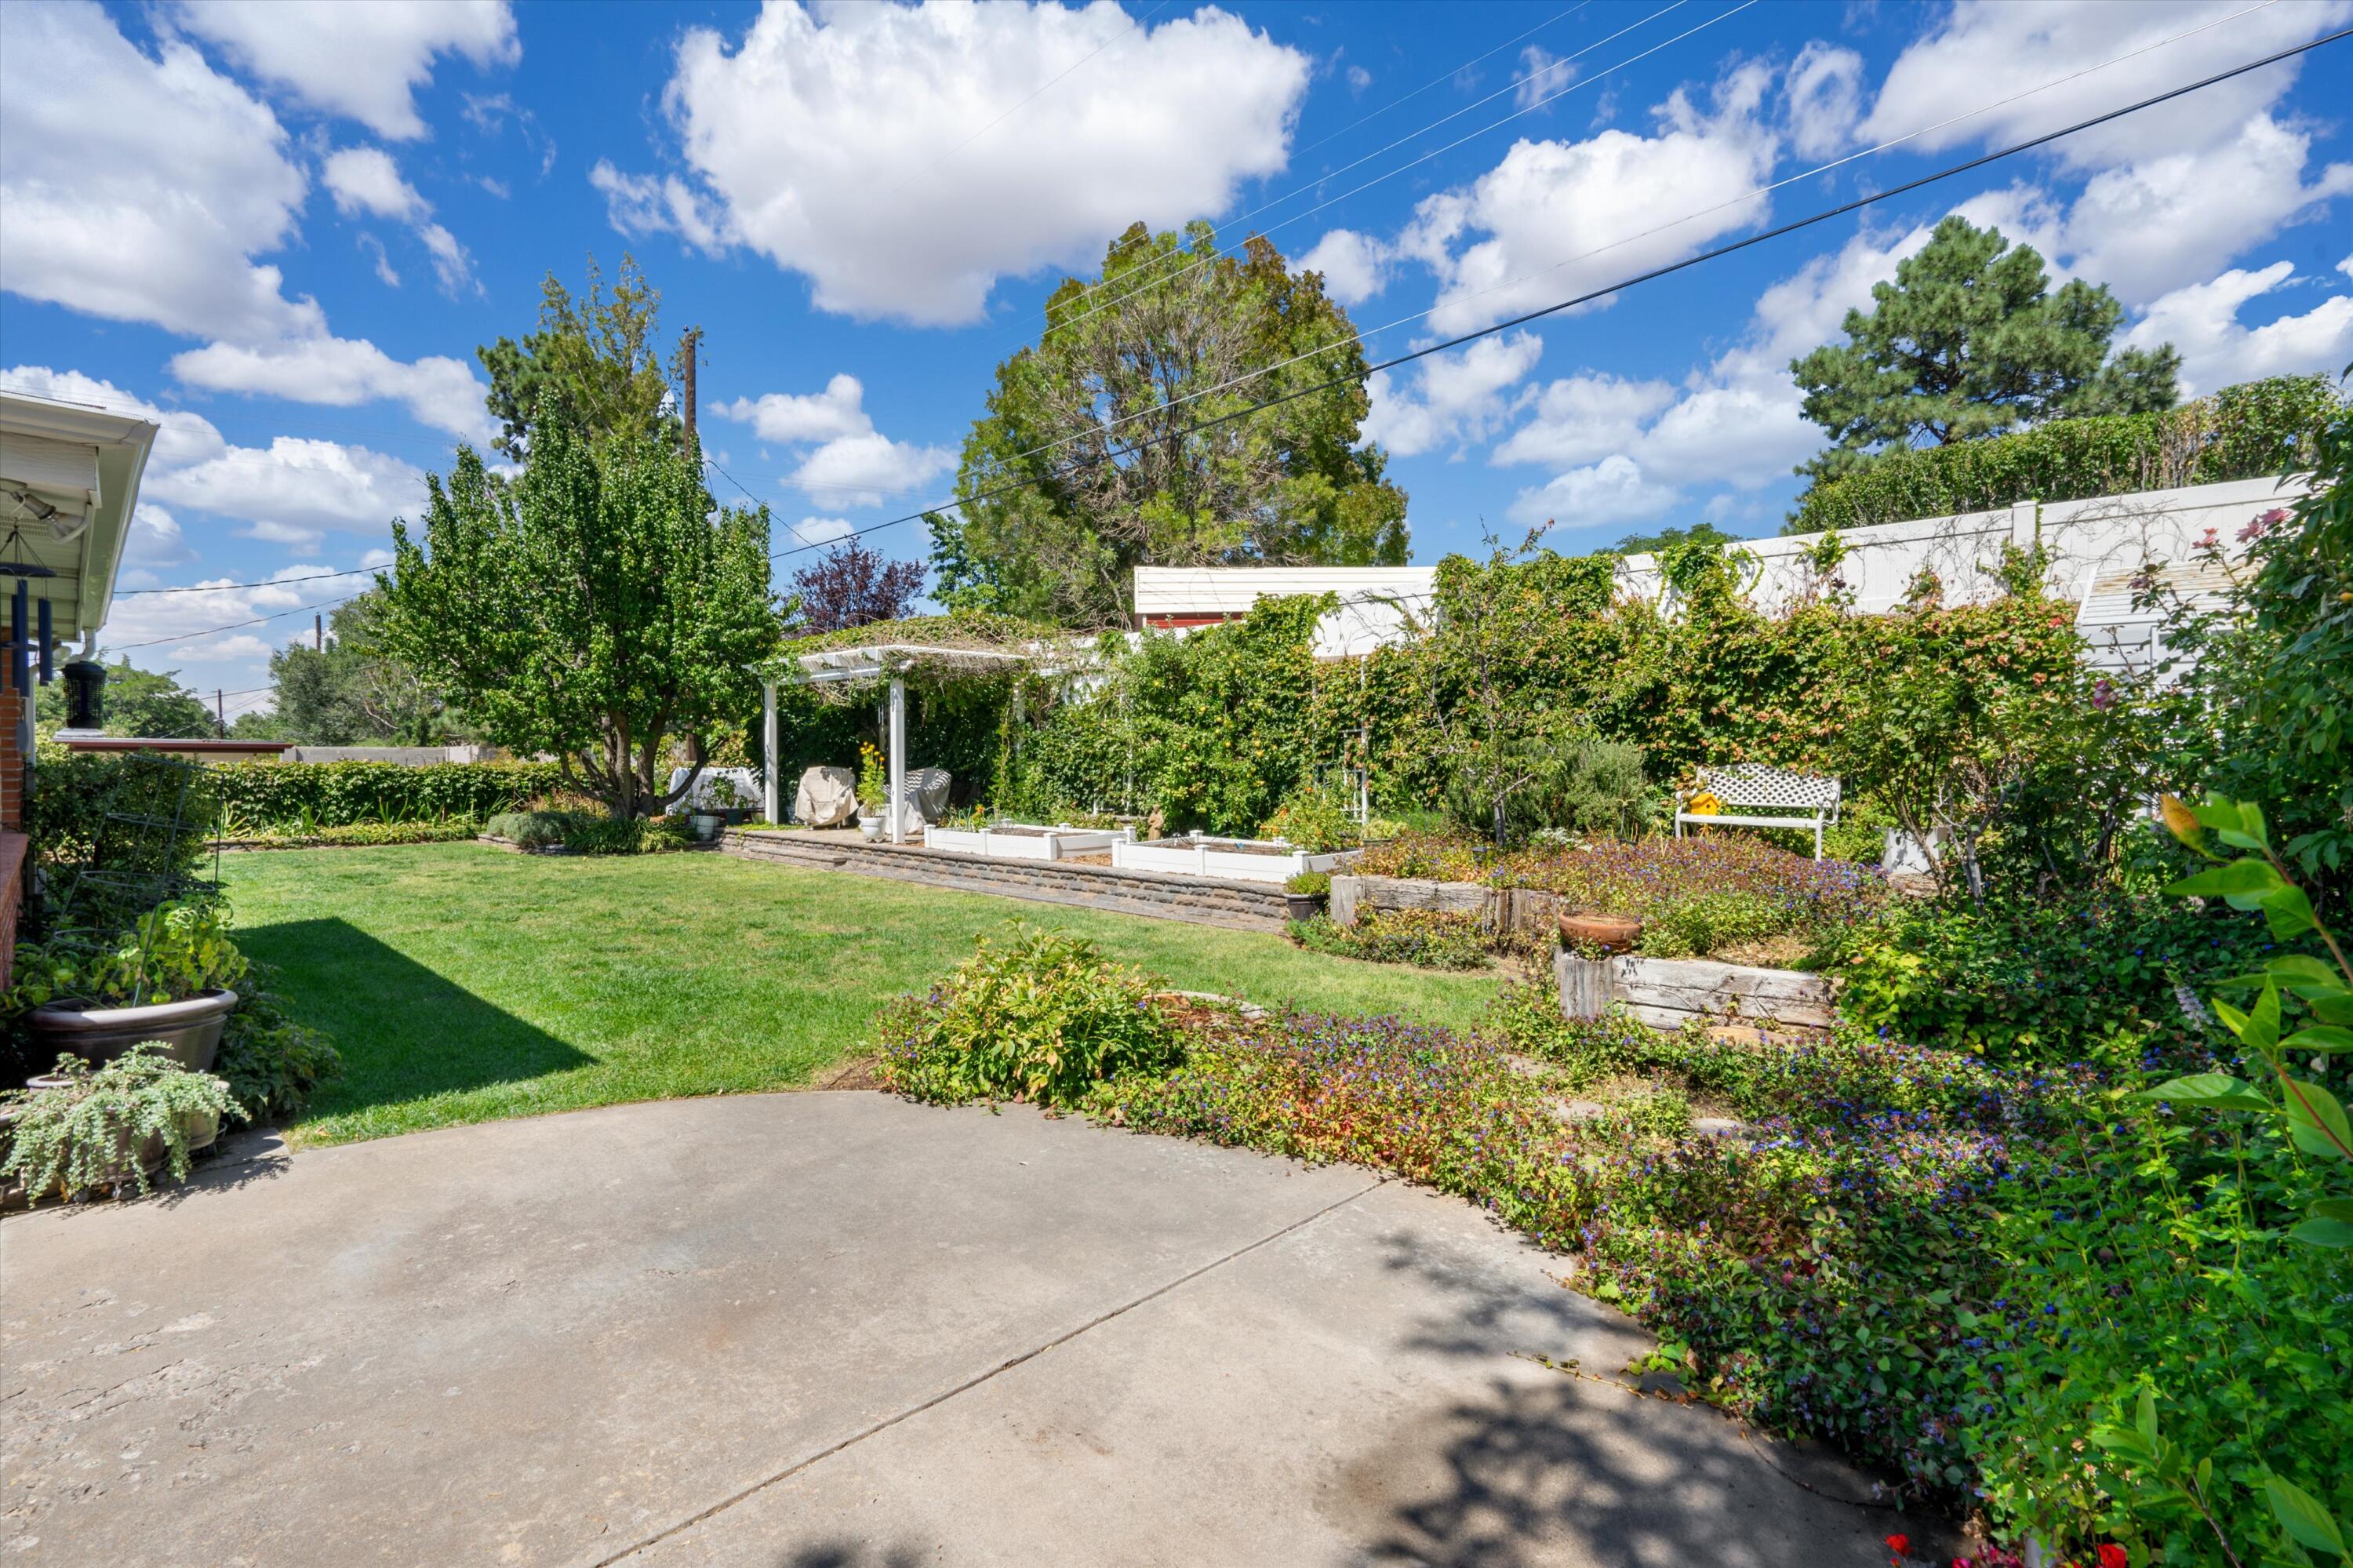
(1695, 896)
(1919, 1255)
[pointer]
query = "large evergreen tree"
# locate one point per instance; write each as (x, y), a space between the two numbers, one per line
(1092, 419)
(1970, 340)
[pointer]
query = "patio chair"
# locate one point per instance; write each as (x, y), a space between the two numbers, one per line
(1799, 800)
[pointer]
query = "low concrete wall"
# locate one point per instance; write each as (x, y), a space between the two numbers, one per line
(1667, 993)
(1199, 900)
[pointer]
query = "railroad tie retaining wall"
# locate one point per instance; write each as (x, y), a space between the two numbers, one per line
(1667, 993)
(1202, 901)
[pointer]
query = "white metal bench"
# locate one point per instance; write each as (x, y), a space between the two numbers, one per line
(1799, 800)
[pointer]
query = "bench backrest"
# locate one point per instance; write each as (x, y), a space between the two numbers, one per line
(1754, 784)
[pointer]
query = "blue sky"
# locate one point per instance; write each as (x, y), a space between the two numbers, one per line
(284, 228)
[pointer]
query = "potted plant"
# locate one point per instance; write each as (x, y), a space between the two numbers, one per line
(164, 982)
(873, 790)
(84, 1128)
(1307, 893)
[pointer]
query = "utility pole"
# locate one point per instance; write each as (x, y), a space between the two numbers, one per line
(693, 346)
(220, 713)
(318, 633)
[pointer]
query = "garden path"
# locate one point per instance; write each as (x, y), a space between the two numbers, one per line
(840, 1330)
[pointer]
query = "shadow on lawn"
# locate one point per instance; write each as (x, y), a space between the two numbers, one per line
(405, 1032)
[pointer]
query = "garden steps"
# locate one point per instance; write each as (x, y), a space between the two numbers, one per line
(1198, 900)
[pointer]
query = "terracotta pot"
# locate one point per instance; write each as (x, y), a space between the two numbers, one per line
(1612, 933)
(188, 1029)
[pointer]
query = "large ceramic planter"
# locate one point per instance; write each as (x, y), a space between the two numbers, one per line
(1610, 933)
(189, 1030)
(1304, 905)
(871, 827)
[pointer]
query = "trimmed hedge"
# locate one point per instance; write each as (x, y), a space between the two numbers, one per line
(2248, 431)
(339, 794)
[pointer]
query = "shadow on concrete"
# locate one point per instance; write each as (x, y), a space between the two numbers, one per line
(1580, 1466)
(405, 1032)
(836, 1554)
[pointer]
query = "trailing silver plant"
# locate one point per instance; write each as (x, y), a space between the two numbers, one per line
(90, 1132)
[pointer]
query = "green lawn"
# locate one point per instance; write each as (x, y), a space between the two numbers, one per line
(465, 984)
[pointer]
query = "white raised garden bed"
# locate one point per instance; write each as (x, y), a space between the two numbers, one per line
(1024, 841)
(1246, 860)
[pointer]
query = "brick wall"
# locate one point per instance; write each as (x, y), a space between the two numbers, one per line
(12, 762)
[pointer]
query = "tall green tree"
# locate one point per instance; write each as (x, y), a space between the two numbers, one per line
(147, 704)
(596, 609)
(1089, 426)
(1970, 341)
(352, 691)
(595, 362)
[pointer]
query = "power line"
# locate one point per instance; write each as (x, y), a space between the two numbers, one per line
(234, 625)
(222, 587)
(1419, 159)
(1741, 200)
(1442, 79)
(1822, 215)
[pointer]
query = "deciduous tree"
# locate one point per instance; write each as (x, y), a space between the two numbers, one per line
(853, 585)
(593, 608)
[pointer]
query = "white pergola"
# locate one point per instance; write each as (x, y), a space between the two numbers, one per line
(890, 661)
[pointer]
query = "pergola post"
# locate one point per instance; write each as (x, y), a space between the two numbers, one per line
(898, 758)
(769, 750)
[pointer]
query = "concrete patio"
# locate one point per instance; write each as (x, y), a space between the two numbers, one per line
(840, 1330)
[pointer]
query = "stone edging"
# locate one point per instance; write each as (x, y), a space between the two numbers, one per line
(1199, 900)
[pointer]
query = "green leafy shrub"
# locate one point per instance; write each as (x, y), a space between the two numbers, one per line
(1587, 786)
(1309, 884)
(2257, 428)
(1033, 1014)
(1314, 819)
(88, 810)
(2091, 979)
(340, 794)
(2145, 1256)
(271, 1062)
(592, 833)
(449, 830)
(1427, 937)
(91, 1132)
(173, 951)
(532, 829)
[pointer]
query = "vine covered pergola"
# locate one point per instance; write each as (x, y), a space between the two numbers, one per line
(842, 666)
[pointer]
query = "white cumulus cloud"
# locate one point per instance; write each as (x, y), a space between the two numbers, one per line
(1986, 50)
(903, 158)
(360, 58)
(1355, 266)
(1555, 219)
(1455, 397)
(2217, 349)
(137, 188)
(1613, 491)
(438, 391)
(849, 459)
(366, 181)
